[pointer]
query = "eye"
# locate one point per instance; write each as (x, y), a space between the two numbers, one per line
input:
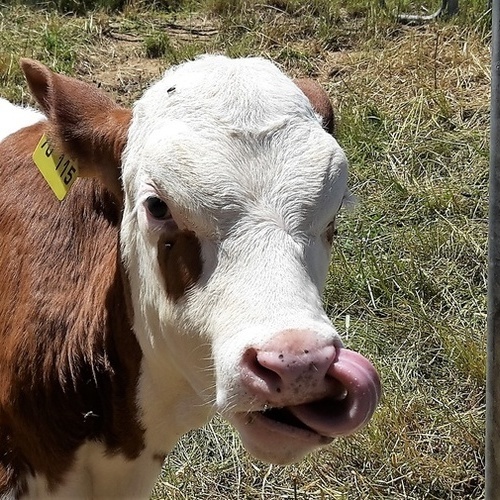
(331, 231)
(157, 208)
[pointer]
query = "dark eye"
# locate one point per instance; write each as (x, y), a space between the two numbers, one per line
(157, 208)
(331, 232)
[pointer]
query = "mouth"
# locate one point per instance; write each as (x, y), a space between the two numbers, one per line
(311, 421)
(286, 432)
(282, 421)
(276, 435)
(284, 417)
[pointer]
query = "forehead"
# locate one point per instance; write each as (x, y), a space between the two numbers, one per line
(219, 134)
(248, 94)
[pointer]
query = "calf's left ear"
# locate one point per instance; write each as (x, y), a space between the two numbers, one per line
(84, 122)
(319, 100)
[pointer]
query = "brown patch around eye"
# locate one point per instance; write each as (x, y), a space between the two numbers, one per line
(179, 257)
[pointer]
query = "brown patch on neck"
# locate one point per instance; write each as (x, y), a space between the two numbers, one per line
(179, 257)
(69, 360)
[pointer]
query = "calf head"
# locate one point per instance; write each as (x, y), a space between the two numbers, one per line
(230, 186)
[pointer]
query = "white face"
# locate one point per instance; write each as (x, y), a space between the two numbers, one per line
(231, 190)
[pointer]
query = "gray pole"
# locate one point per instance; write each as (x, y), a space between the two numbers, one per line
(493, 363)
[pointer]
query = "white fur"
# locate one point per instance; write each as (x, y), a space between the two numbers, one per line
(97, 475)
(259, 189)
(14, 118)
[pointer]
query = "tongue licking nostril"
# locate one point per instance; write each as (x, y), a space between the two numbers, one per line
(341, 417)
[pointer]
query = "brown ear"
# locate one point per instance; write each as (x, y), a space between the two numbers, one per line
(319, 100)
(83, 122)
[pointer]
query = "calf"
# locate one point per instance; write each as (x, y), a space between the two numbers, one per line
(181, 276)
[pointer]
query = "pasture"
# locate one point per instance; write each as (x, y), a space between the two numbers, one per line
(407, 286)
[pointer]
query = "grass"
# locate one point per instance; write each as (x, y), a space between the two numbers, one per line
(407, 285)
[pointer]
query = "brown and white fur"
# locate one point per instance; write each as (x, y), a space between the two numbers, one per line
(182, 276)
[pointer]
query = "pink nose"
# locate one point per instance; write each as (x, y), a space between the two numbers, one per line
(333, 390)
(293, 365)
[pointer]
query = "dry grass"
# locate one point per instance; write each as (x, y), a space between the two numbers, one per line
(408, 276)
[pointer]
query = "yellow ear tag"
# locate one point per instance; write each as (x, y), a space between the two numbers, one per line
(58, 170)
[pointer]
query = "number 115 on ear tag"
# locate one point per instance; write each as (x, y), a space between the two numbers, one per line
(58, 170)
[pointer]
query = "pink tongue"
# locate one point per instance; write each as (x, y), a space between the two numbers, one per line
(341, 417)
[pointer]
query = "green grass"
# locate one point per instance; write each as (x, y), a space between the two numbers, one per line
(407, 285)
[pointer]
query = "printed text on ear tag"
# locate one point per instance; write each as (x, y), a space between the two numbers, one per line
(59, 170)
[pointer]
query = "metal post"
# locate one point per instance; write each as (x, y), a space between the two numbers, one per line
(493, 361)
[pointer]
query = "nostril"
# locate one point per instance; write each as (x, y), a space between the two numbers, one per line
(257, 375)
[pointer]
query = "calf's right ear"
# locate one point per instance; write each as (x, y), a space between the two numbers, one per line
(319, 100)
(83, 121)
